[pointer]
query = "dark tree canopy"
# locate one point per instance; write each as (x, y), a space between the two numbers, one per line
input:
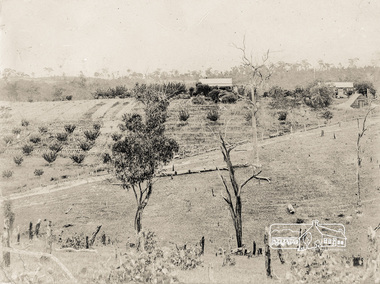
(362, 87)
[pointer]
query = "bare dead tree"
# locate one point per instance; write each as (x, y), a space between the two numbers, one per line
(233, 198)
(260, 73)
(361, 131)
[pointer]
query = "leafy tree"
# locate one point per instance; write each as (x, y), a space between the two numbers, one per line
(319, 96)
(143, 149)
(362, 87)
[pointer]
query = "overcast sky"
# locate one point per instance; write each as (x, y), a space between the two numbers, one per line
(88, 35)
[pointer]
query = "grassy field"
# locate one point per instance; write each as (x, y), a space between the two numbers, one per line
(316, 174)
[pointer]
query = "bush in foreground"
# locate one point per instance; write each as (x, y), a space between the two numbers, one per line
(24, 123)
(62, 137)
(56, 147)
(69, 128)
(116, 136)
(183, 115)
(91, 135)
(213, 115)
(18, 160)
(50, 157)
(35, 139)
(7, 173)
(42, 129)
(38, 172)
(27, 149)
(77, 158)
(16, 130)
(86, 146)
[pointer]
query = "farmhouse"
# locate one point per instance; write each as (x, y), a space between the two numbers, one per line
(322, 237)
(221, 83)
(342, 89)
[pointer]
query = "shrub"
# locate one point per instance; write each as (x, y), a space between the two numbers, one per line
(61, 136)
(191, 91)
(198, 100)
(68, 98)
(92, 135)
(96, 126)
(16, 131)
(50, 157)
(42, 129)
(8, 139)
(106, 158)
(27, 149)
(35, 139)
(363, 87)
(38, 172)
(116, 136)
(183, 115)
(213, 115)
(7, 174)
(319, 96)
(214, 95)
(55, 147)
(248, 116)
(18, 160)
(77, 158)
(70, 128)
(186, 257)
(229, 98)
(282, 115)
(86, 146)
(24, 123)
(202, 89)
(327, 115)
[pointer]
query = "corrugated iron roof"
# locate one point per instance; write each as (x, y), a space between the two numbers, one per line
(343, 84)
(220, 82)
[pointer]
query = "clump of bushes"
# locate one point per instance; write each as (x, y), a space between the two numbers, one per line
(50, 157)
(69, 128)
(18, 160)
(77, 158)
(106, 158)
(214, 95)
(96, 126)
(42, 129)
(318, 96)
(198, 100)
(38, 172)
(116, 136)
(62, 137)
(91, 135)
(228, 98)
(7, 173)
(16, 130)
(213, 115)
(282, 115)
(27, 149)
(35, 139)
(86, 146)
(24, 123)
(183, 115)
(202, 89)
(327, 115)
(55, 147)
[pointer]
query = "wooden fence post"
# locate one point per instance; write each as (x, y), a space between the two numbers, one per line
(30, 231)
(37, 230)
(203, 245)
(254, 248)
(49, 238)
(268, 267)
(6, 243)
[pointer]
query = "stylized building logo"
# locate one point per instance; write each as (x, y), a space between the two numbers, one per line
(307, 236)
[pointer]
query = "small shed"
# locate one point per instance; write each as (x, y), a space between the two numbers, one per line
(222, 83)
(359, 101)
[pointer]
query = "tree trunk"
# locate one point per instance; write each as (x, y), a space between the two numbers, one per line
(255, 153)
(138, 218)
(238, 223)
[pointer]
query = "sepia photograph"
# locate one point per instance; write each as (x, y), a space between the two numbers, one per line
(211, 141)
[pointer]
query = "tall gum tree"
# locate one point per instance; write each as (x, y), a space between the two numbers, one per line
(143, 149)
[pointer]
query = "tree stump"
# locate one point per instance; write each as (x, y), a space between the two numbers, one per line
(18, 235)
(104, 239)
(322, 133)
(254, 248)
(268, 266)
(87, 246)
